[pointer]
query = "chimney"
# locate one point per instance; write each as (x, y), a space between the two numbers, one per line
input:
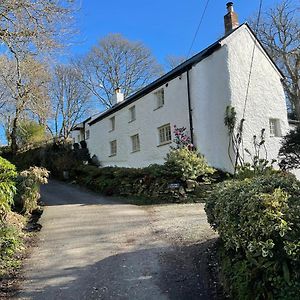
(231, 20)
(117, 97)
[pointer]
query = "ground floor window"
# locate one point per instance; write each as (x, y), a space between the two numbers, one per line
(87, 134)
(165, 135)
(274, 127)
(135, 141)
(113, 148)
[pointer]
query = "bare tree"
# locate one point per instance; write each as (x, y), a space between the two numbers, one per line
(23, 97)
(279, 31)
(172, 61)
(117, 63)
(70, 100)
(28, 28)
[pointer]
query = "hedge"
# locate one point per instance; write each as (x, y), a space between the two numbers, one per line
(258, 220)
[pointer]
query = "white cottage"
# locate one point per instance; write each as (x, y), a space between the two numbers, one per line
(137, 131)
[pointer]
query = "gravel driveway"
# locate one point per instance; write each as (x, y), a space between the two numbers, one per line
(93, 247)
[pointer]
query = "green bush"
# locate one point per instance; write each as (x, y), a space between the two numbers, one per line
(10, 242)
(258, 220)
(28, 186)
(187, 164)
(7, 187)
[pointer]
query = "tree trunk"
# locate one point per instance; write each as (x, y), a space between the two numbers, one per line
(13, 136)
(297, 109)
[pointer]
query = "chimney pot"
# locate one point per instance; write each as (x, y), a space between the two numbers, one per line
(117, 97)
(229, 6)
(231, 20)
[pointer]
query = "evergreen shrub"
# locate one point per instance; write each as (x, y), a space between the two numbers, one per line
(258, 220)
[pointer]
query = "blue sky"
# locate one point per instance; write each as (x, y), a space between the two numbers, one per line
(166, 27)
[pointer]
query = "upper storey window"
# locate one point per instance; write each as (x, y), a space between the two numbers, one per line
(160, 98)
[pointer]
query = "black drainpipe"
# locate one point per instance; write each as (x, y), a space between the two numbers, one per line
(190, 106)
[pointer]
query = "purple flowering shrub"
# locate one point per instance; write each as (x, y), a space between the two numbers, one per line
(181, 138)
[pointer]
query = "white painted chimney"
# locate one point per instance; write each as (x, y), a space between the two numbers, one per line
(231, 20)
(117, 97)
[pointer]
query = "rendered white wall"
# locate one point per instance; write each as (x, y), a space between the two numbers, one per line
(209, 96)
(266, 97)
(148, 119)
(77, 135)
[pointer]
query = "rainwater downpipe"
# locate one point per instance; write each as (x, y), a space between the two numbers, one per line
(190, 106)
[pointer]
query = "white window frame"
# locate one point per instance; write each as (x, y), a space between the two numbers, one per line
(132, 113)
(274, 127)
(135, 143)
(87, 134)
(160, 98)
(164, 134)
(113, 148)
(112, 121)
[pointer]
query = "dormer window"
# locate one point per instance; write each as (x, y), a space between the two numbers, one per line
(160, 98)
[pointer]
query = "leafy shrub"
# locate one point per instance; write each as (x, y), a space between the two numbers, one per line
(10, 242)
(187, 164)
(28, 186)
(7, 187)
(258, 220)
(181, 138)
(257, 168)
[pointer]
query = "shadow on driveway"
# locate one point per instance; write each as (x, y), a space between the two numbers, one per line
(182, 273)
(61, 193)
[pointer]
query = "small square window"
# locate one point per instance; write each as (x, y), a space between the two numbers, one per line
(132, 114)
(113, 148)
(160, 98)
(135, 140)
(275, 130)
(165, 135)
(112, 123)
(87, 134)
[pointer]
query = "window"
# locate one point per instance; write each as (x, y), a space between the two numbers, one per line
(112, 123)
(274, 128)
(78, 138)
(87, 134)
(113, 148)
(135, 140)
(131, 113)
(160, 98)
(165, 136)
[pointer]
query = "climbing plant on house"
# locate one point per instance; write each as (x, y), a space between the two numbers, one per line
(259, 162)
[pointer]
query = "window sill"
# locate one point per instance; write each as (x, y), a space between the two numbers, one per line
(158, 108)
(135, 151)
(112, 155)
(164, 143)
(131, 121)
